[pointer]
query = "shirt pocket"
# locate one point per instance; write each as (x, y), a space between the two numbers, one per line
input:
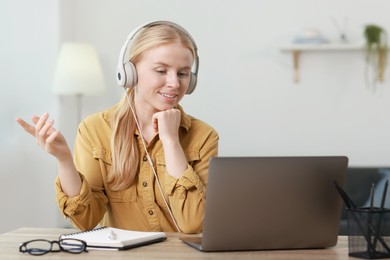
(122, 196)
(103, 155)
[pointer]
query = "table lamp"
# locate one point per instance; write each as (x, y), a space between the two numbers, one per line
(78, 72)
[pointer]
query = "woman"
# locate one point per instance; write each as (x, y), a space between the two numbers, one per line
(143, 164)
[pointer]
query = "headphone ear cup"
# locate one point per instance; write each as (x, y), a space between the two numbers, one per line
(131, 75)
(192, 85)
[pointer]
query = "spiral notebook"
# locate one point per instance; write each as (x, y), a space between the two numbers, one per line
(115, 238)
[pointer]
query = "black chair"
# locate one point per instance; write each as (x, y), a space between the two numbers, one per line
(358, 188)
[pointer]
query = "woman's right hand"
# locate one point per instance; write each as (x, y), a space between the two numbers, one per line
(46, 136)
(53, 142)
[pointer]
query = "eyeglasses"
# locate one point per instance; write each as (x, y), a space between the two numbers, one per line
(43, 246)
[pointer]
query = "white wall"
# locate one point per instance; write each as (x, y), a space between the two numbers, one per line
(245, 88)
(28, 46)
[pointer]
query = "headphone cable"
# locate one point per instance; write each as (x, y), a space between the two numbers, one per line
(151, 162)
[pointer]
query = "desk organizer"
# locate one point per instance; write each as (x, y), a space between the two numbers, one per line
(366, 229)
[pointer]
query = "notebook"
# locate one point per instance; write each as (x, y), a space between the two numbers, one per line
(258, 203)
(114, 238)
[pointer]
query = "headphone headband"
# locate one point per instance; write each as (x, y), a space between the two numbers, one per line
(126, 72)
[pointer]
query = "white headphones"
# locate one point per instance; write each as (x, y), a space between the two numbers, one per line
(126, 72)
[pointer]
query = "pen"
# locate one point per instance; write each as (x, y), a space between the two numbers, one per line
(370, 247)
(112, 235)
(347, 200)
(381, 213)
(372, 194)
(384, 194)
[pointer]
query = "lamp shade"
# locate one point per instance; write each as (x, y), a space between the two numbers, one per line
(78, 70)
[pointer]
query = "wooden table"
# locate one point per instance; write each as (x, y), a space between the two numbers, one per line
(172, 248)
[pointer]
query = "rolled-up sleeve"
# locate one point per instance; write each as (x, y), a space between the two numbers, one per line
(71, 206)
(187, 194)
(87, 209)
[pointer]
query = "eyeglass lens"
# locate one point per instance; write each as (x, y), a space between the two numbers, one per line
(74, 246)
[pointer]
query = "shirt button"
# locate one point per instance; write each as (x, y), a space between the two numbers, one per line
(150, 212)
(145, 159)
(145, 184)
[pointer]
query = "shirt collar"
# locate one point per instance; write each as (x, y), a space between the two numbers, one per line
(185, 120)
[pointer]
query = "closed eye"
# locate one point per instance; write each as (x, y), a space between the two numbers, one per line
(160, 71)
(183, 74)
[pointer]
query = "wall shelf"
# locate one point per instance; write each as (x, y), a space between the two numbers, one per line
(296, 50)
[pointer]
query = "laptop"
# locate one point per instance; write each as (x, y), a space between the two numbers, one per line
(265, 203)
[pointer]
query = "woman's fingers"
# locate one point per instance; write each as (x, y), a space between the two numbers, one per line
(44, 132)
(155, 122)
(38, 126)
(27, 127)
(46, 136)
(34, 119)
(41, 121)
(52, 137)
(40, 129)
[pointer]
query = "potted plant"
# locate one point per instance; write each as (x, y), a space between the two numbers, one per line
(376, 53)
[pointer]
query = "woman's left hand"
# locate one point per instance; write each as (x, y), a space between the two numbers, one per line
(167, 123)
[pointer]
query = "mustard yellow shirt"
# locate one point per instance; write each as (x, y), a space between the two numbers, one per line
(141, 206)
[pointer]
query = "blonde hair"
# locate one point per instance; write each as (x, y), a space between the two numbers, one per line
(124, 144)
